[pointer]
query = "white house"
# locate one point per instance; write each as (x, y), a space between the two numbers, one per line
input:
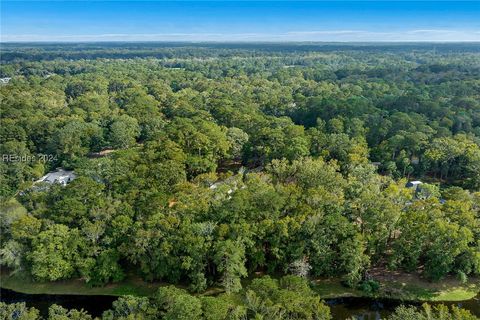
(60, 176)
(413, 184)
(5, 80)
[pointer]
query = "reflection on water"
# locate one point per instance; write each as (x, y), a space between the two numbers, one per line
(95, 305)
(341, 308)
(360, 308)
(374, 309)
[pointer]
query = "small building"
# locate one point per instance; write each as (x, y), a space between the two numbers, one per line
(5, 80)
(59, 176)
(413, 184)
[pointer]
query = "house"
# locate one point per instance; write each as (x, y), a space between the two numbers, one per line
(5, 80)
(60, 176)
(413, 184)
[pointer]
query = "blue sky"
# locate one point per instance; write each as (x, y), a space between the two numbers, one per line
(240, 21)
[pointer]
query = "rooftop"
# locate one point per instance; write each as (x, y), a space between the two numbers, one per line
(60, 176)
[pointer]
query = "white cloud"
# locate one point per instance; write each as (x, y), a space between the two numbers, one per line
(303, 35)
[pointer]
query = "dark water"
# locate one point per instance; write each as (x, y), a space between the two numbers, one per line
(95, 305)
(341, 308)
(374, 309)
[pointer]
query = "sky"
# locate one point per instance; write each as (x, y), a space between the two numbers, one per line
(240, 21)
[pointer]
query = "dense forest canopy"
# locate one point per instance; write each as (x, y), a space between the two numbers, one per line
(203, 164)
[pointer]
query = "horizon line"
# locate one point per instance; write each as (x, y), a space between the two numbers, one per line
(240, 41)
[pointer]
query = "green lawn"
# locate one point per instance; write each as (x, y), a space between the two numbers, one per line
(442, 291)
(131, 285)
(405, 287)
(332, 288)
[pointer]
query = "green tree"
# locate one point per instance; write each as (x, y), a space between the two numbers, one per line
(176, 304)
(130, 307)
(56, 312)
(123, 132)
(18, 311)
(230, 260)
(237, 138)
(54, 253)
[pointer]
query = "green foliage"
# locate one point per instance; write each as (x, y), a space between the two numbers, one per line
(264, 298)
(291, 298)
(123, 132)
(54, 253)
(56, 312)
(18, 311)
(12, 254)
(106, 269)
(222, 307)
(237, 138)
(76, 138)
(370, 286)
(230, 260)
(429, 312)
(177, 304)
(203, 165)
(129, 307)
(435, 234)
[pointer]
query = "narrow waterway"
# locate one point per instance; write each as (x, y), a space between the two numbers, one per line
(375, 309)
(341, 308)
(95, 305)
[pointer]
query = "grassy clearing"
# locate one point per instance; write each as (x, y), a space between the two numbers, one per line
(425, 291)
(332, 288)
(412, 286)
(408, 287)
(412, 291)
(131, 285)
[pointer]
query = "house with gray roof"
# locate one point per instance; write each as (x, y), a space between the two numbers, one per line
(59, 176)
(413, 184)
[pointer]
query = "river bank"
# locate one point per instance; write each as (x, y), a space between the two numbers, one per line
(340, 308)
(393, 285)
(131, 285)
